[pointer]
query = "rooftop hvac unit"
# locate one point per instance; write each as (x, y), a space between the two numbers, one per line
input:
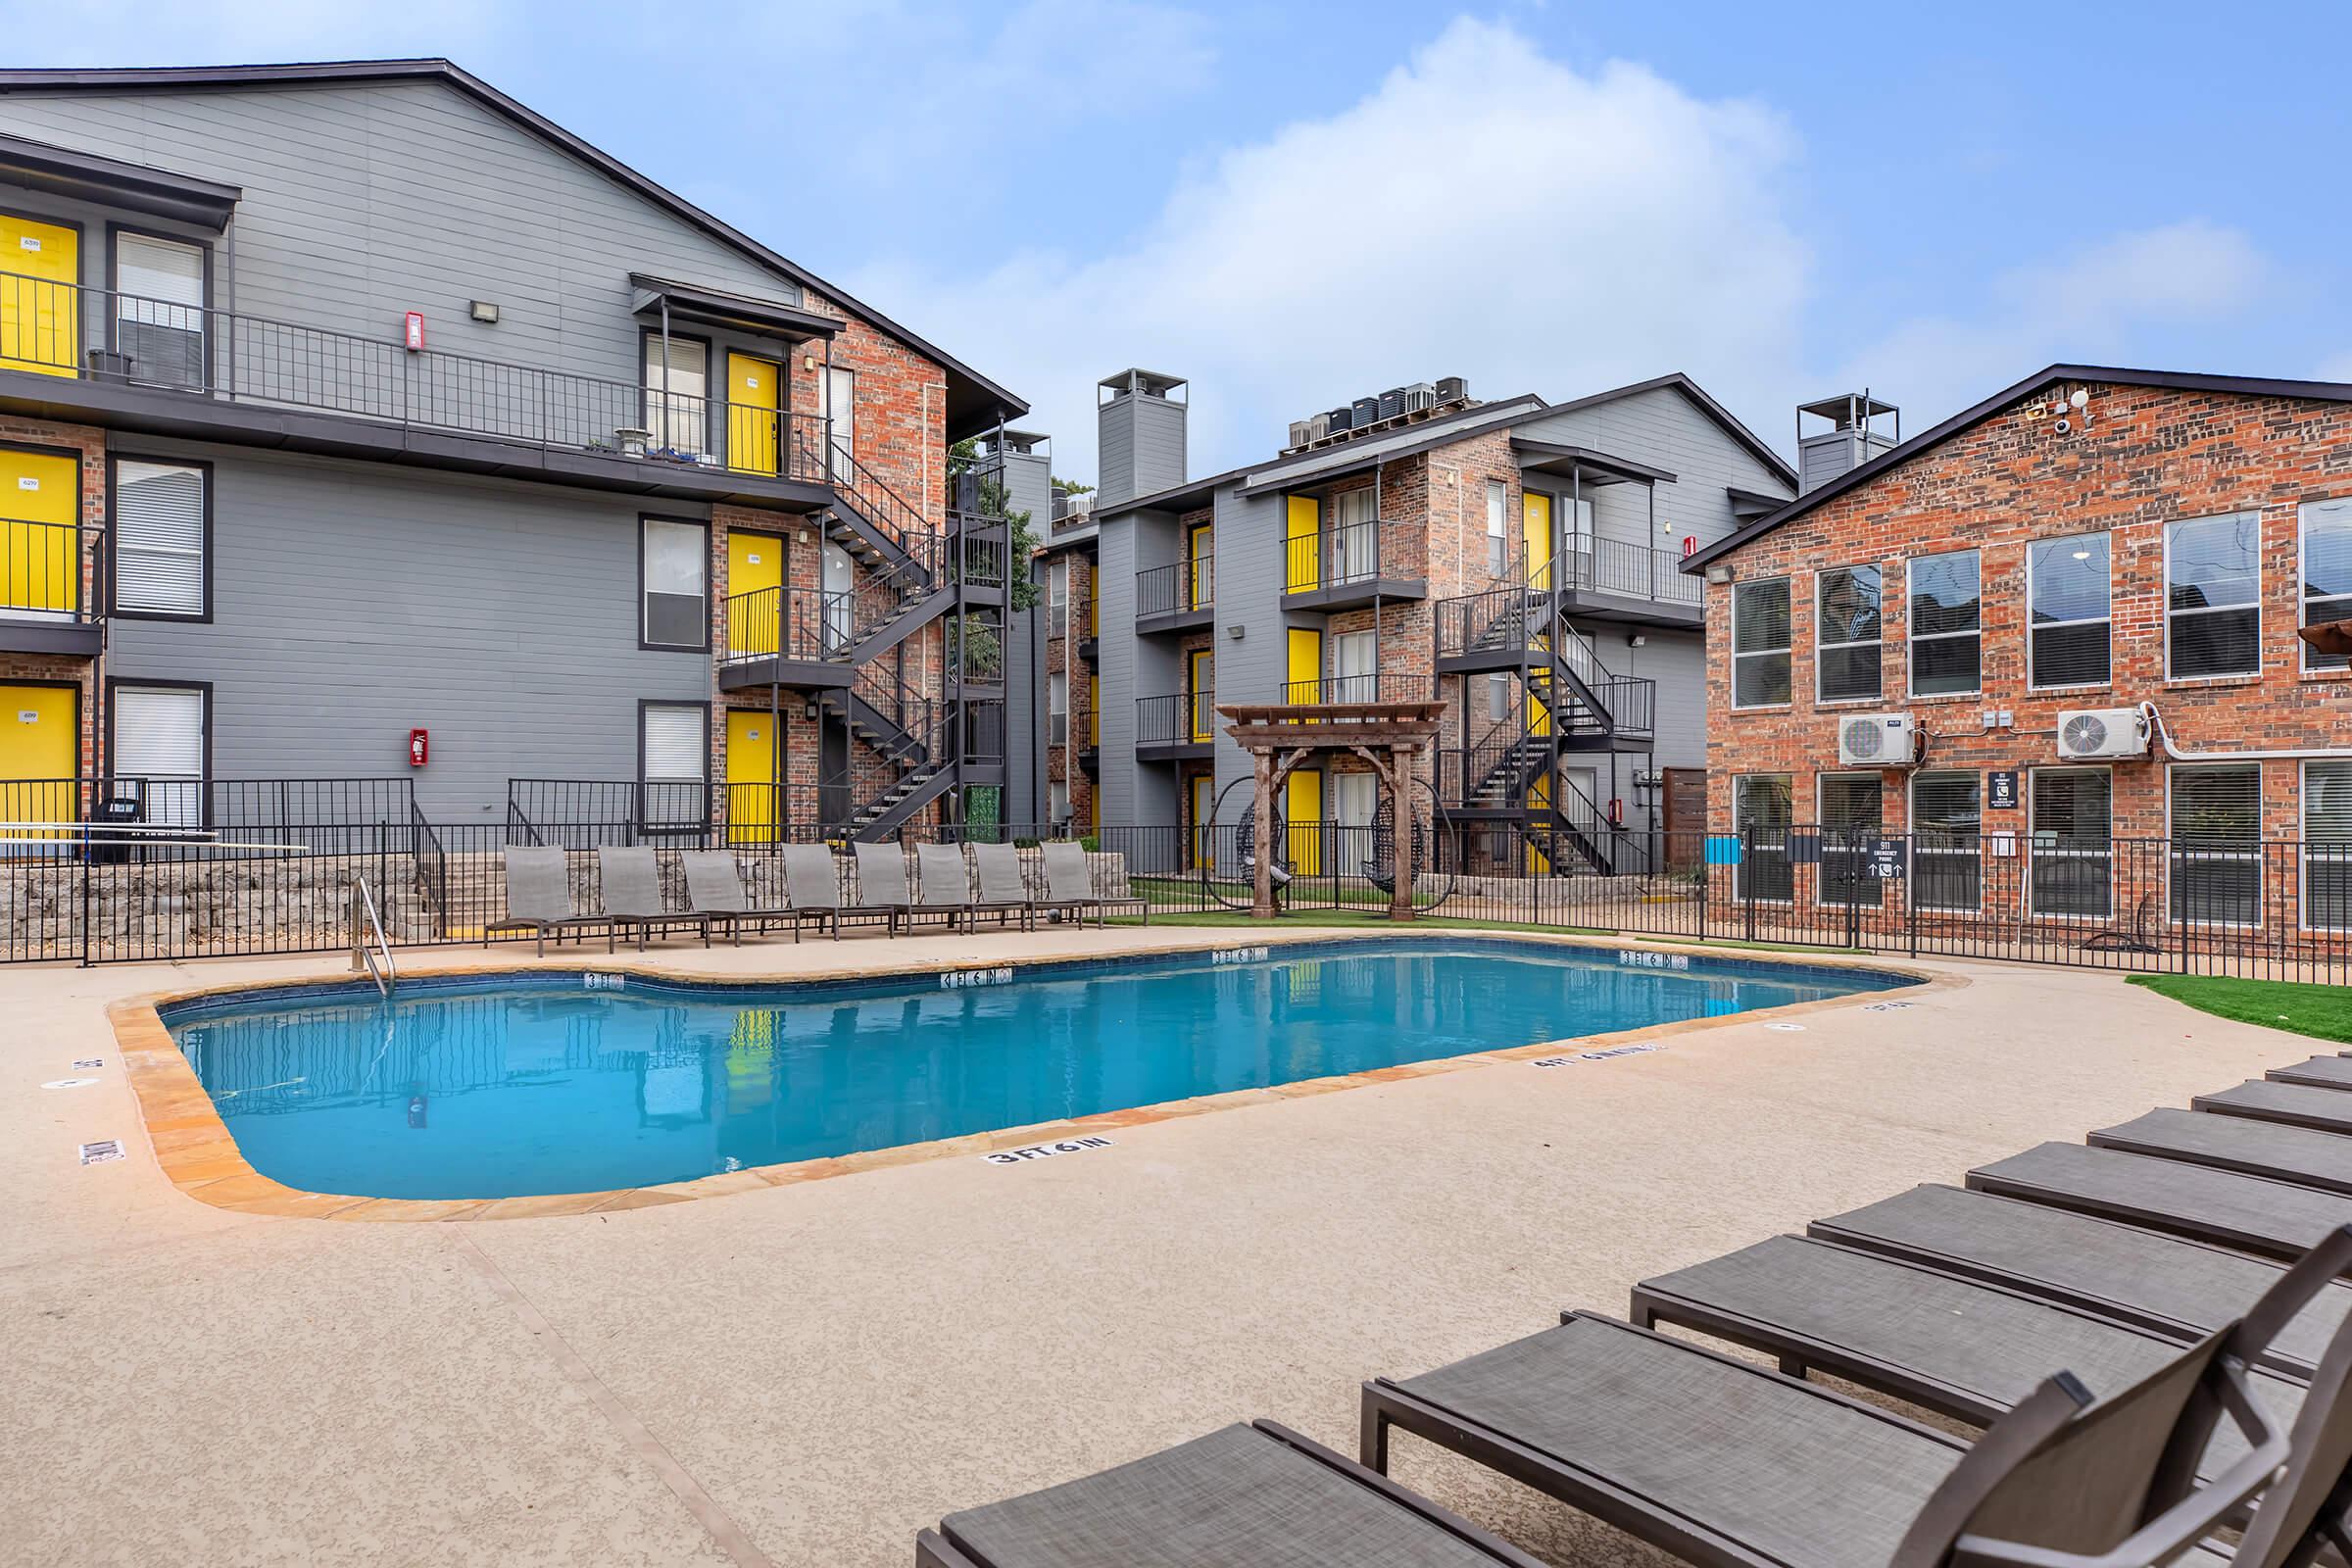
(1392, 403)
(2088, 733)
(1366, 412)
(1299, 432)
(1420, 396)
(1453, 389)
(1876, 740)
(1318, 427)
(1342, 421)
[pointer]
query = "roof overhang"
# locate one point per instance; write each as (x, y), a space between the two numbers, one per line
(1549, 457)
(2254, 386)
(717, 306)
(112, 183)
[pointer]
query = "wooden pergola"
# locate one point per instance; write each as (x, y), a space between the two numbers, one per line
(1280, 736)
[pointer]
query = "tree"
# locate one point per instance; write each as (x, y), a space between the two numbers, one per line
(1071, 487)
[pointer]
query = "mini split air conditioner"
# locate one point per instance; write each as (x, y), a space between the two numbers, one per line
(2088, 733)
(1877, 740)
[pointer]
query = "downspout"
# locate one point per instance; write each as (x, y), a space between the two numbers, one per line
(2159, 733)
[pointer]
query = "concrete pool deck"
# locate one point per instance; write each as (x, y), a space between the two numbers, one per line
(808, 1373)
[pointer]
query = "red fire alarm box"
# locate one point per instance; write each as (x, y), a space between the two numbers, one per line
(412, 332)
(417, 748)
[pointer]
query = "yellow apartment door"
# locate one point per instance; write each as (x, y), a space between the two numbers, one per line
(40, 740)
(1303, 810)
(1301, 544)
(1201, 550)
(751, 386)
(1304, 681)
(751, 771)
(1536, 532)
(755, 561)
(39, 321)
(41, 554)
(1201, 692)
(1204, 812)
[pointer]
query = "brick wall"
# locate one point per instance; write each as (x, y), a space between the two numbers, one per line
(2147, 457)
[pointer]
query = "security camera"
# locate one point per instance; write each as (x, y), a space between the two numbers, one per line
(2063, 425)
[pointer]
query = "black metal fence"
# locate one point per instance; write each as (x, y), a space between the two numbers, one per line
(101, 870)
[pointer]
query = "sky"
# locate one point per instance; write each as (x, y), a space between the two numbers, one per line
(1294, 207)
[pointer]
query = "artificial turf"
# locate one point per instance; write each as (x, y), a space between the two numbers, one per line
(2323, 1012)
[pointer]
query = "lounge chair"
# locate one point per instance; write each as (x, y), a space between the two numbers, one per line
(714, 890)
(943, 884)
(2295, 1104)
(2178, 1287)
(1241, 1495)
(1723, 1462)
(1962, 1348)
(632, 896)
(539, 896)
(2256, 1214)
(2237, 1142)
(813, 882)
(1070, 881)
(882, 884)
(2320, 1072)
(1004, 890)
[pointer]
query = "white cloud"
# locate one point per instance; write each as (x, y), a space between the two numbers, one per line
(1484, 210)
(2124, 298)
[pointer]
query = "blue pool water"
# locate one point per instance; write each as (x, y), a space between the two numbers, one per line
(517, 1084)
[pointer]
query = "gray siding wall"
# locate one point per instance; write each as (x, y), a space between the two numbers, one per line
(364, 201)
(1664, 429)
(1029, 487)
(1133, 667)
(1678, 662)
(1140, 447)
(355, 602)
(1250, 578)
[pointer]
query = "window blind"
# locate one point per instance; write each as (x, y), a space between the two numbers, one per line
(2213, 582)
(2328, 844)
(159, 741)
(675, 556)
(160, 308)
(1760, 643)
(2069, 598)
(2327, 573)
(1946, 654)
(158, 538)
(1846, 615)
(674, 746)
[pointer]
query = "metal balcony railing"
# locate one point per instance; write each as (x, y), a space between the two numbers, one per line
(69, 330)
(1186, 719)
(50, 570)
(1181, 586)
(1332, 558)
(1373, 688)
(801, 624)
(1589, 564)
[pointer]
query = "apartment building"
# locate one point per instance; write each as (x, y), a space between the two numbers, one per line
(1517, 558)
(360, 421)
(2056, 641)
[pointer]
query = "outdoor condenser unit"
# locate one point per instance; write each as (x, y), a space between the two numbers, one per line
(1318, 427)
(2089, 733)
(1366, 411)
(1299, 432)
(1876, 740)
(1342, 421)
(1420, 396)
(1453, 389)
(1392, 403)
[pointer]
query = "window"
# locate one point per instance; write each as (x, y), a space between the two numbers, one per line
(1762, 808)
(1355, 536)
(1499, 697)
(2212, 588)
(2071, 825)
(1946, 651)
(159, 539)
(841, 413)
(1058, 803)
(2067, 593)
(2216, 843)
(676, 558)
(1852, 819)
(1845, 634)
(1760, 643)
(159, 747)
(677, 403)
(1057, 597)
(1498, 528)
(1354, 668)
(159, 309)
(1947, 870)
(1057, 708)
(673, 749)
(2328, 845)
(2327, 573)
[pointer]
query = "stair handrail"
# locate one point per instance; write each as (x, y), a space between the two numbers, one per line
(903, 523)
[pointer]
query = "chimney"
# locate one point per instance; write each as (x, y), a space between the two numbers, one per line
(1854, 437)
(1142, 435)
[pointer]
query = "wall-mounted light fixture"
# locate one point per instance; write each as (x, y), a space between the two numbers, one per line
(1235, 631)
(1719, 572)
(483, 311)
(809, 711)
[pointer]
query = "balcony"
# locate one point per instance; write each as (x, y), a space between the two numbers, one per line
(1341, 567)
(70, 352)
(51, 577)
(1177, 728)
(1342, 691)
(1611, 579)
(1180, 597)
(1090, 736)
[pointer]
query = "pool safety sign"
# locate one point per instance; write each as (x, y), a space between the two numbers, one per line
(103, 1153)
(1028, 1153)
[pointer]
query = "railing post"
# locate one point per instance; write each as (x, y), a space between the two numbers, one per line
(1744, 881)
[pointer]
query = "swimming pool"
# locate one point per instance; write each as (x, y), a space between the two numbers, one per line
(544, 1082)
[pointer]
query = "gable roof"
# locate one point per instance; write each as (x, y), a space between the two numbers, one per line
(1724, 419)
(1967, 418)
(975, 401)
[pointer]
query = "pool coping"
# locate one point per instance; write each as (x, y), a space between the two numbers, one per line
(195, 1150)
